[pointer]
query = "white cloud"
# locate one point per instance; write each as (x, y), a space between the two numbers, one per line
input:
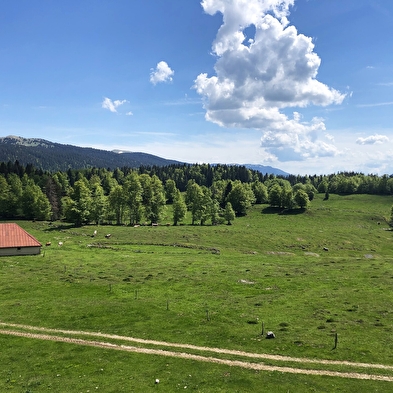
(375, 104)
(162, 73)
(107, 103)
(329, 137)
(372, 140)
(129, 113)
(257, 77)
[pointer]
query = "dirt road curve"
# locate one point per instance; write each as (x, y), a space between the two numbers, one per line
(50, 334)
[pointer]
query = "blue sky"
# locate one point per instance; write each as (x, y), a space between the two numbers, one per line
(302, 85)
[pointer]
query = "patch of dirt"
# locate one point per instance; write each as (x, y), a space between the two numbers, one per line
(311, 254)
(184, 355)
(280, 253)
(246, 282)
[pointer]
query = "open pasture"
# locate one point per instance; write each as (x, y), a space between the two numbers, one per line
(305, 276)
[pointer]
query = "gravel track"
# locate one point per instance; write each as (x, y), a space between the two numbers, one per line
(50, 336)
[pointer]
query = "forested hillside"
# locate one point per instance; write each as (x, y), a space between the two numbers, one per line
(212, 194)
(59, 157)
(50, 156)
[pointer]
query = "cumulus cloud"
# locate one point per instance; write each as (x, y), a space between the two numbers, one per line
(258, 77)
(162, 73)
(372, 140)
(107, 103)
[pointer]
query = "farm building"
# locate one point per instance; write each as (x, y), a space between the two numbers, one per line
(14, 240)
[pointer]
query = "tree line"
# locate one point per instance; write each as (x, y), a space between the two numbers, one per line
(212, 194)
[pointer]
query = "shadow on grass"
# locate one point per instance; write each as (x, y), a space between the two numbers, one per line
(293, 212)
(281, 211)
(271, 210)
(59, 227)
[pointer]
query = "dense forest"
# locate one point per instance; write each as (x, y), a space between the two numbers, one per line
(212, 194)
(53, 156)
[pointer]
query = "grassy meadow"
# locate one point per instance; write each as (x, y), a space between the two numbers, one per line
(306, 276)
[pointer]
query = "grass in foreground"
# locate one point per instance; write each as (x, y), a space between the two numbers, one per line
(211, 286)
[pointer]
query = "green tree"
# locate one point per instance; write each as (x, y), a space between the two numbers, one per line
(62, 182)
(108, 182)
(77, 207)
(34, 203)
(228, 189)
(241, 197)
(94, 180)
(194, 197)
(323, 186)
(15, 195)
(98, 203)
(260, 192)
(147, 193)
(179, 207)
(287, 201)
(205, 205)
(218, 190)
(4, 197)
(170, 191)
(133, 197)
(116, 204)
(157, 203)
(42, 207)
(310, 190)
(298, 186)
(275, 195)
(229, 213)
(214, 210)
(53, 193)
(301, 198)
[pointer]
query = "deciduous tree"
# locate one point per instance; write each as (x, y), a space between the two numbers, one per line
(77, 207)
(229, 213)
(132, 189)
(194, 196)
(301, 198)
(241, 197)
(179, 207)
(116, 203)
(98, 203)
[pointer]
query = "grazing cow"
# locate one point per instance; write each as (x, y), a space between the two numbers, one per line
(108, 235)
(48, 244)
(60, 244)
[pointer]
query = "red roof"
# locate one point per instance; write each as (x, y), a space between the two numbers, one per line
(12, 235)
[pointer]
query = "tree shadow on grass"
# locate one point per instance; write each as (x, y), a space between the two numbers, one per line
(59, 227)
(271, 210)
(293, 212)
(281, 211)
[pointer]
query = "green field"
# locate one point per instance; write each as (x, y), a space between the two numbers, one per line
(306, 276)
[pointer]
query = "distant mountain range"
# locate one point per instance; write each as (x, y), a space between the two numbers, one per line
(266, 169)
(51, 156)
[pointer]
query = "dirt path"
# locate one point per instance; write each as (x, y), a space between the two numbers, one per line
(50, 335)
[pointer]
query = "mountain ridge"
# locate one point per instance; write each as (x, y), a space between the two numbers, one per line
(52, 156)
